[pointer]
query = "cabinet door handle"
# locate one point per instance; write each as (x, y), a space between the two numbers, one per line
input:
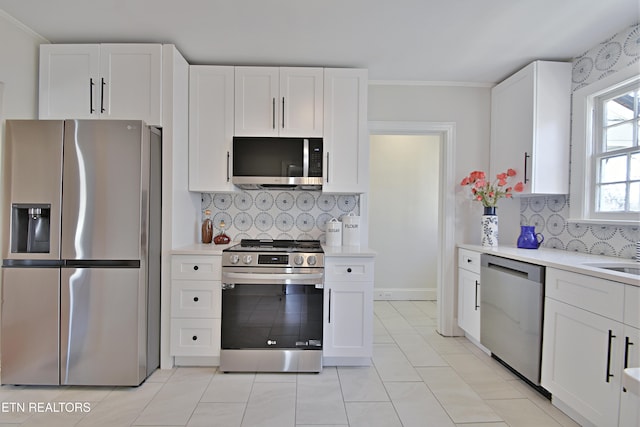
(196, 299)
(608, 373)
(195, 267)
(283, 112)
(102, 96)
(91, 85)
(329, 315)
(228, 156)
(526, 156)
(477, 285)
(349, 270)
(273, 113)
(194, 338)
(627, 344)
(327, 168)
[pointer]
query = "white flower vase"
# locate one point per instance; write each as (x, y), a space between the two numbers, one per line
(490, 227)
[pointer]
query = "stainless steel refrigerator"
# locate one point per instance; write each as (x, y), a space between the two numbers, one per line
(81, 252)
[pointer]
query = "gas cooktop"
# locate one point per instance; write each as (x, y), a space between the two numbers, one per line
(267, 245)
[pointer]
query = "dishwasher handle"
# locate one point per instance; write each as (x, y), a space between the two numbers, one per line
(528, 271)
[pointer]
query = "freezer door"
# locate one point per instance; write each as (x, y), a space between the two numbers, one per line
(103, 327)
(32, 175)
(105, 189)
(30, 326)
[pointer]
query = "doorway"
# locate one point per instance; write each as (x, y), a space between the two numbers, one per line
(445, 244)
(403, 213)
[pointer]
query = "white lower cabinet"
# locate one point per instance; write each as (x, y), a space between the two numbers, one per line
(585, 345)
(196, 305)
(469, 293)
(348, 311)
(630, 402)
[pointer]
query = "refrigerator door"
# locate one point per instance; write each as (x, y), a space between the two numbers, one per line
(32, 175)
(102, 327)
(30, 326)
(105, 190)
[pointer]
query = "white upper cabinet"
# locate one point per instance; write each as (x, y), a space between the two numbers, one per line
(112, 81)
(278, 101)
(346, 136)
(530, 118)
(210, 128)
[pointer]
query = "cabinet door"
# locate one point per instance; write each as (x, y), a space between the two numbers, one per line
(469, 303)
(300, 101)
(530, 116)
(69, 81)
(579, 352)
(348, 317)
(630, 402)
(346, 146)
(512, 104)
(210, 128)
(130, 84)
(256, 101)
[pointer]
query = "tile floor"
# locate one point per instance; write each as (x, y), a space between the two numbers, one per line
(418, 378)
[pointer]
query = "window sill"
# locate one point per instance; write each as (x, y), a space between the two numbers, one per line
(616, 222)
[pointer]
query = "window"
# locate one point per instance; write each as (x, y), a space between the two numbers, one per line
(616, 154)
(605, 151)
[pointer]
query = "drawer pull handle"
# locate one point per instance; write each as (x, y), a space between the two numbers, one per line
(195, 267)
(194, 338)
(349, 270)
(196, 299)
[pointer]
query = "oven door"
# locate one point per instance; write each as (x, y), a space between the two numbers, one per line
(271, 327)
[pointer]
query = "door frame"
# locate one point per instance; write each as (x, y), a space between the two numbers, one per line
(446, 295)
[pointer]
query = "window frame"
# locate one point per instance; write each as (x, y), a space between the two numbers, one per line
(583, 167)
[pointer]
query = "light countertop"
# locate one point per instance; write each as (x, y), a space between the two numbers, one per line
(564, 260)
(329, 251)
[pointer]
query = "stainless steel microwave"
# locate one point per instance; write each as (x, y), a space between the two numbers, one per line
(260, 162)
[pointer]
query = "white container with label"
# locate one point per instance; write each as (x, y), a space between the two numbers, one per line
(334, 233)
(351, 230)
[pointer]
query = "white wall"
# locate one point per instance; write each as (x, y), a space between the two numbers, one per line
(469, 108)
(404, 224)
(19, 51)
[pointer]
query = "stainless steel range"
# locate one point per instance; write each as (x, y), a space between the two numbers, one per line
(272, 304)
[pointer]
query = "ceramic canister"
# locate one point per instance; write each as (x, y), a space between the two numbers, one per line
(351, 230)
(334, 233)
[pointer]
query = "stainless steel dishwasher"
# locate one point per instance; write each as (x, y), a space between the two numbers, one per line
(511, 308)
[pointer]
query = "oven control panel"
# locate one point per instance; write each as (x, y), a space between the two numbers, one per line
(234, 259)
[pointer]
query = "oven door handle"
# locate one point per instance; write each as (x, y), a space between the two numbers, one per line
(272, 278)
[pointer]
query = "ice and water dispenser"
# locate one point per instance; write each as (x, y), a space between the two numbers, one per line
(30, 228)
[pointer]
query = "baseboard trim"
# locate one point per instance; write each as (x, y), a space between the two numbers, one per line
(406, 294)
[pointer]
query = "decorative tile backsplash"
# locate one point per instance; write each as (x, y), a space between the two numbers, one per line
(550, 214)
(258, 214)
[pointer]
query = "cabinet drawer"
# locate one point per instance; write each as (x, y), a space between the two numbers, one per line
(195, 337)
(349, 269)
(599, 296)
(196, 299)
(632, 306)
(196, 267)
(469, 260)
